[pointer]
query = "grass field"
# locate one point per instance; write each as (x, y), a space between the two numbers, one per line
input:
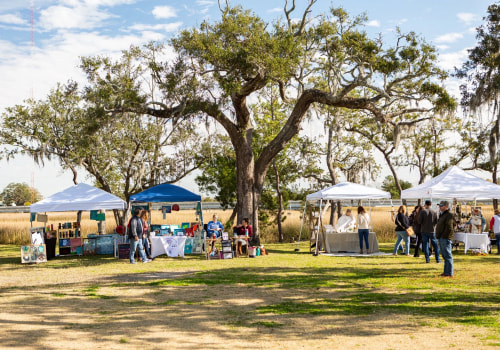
(14, 228)
(286, 300)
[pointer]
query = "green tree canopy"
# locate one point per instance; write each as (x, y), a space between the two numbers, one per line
(389, 185)
(19, 194)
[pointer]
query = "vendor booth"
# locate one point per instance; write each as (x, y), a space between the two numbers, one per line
(341, 240)
(81, 197)
(173, 239)
(456, 184)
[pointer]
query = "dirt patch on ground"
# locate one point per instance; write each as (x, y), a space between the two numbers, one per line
(80, 308)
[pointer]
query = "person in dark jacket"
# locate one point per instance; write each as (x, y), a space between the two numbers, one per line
(135, 236)
(428, 220)
(444, 234)
(402, 223)
(416, 227)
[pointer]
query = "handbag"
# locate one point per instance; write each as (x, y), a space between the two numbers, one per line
(409, 230)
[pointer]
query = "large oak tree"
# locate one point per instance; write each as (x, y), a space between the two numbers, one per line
(221, 65)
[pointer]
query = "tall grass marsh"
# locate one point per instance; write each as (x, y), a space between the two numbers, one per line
(14, 227)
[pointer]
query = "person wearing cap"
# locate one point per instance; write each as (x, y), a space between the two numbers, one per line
(495, 226)
(428, 219)
(444, 234)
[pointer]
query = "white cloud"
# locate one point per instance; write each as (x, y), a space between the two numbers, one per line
(451, 60)
(12, 19)
(449, 38)
(276, 9)
(373, 23)
(442, 47)
(165, 27)
(164, 12)
(468, 18)
(205, 2)
(79, 16)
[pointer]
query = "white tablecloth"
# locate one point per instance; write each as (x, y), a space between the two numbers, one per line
(473, 240)
(348, 242)
(171, 245)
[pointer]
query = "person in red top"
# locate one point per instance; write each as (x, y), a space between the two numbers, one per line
(495, 226)
(245, 229)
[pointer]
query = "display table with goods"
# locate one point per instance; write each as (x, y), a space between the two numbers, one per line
(348, 242)
(70, 239)
(169, 239)
(37, 251)
(479, 241)
(172, 246)
(316, 206)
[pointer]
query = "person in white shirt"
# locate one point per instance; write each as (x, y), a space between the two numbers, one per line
(346, 222)
(363, 222)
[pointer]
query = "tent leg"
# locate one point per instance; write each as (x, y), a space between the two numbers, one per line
(301, 225)
(319, 225)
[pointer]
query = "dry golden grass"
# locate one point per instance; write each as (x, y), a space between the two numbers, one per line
(14, 227)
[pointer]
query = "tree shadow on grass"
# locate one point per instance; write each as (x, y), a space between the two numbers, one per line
(126, 306)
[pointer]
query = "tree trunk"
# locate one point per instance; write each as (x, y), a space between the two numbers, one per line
(494, 179)
(280, 200)
(230, 222)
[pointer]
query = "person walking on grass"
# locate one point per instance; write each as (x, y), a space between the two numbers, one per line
(495, 226)
(402, 223)
(444, 234)
(428, 220)
(135, 236)
(363, 222)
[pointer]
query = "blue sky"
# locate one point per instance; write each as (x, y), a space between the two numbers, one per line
(64, 30)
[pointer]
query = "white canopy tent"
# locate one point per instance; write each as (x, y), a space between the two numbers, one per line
(348, 191)
(342, 191)
(79, 197)
(454, 183)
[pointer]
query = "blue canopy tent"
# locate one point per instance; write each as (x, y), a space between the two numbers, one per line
(165, 193)
(168, 193)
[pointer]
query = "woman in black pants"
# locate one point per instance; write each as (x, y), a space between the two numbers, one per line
(416, 228)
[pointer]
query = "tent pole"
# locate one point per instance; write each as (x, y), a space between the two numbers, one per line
(301, 225)
(370, 227)
(125, 223)
(320, 224)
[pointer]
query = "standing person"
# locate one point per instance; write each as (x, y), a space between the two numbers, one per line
(495, 226)
(402, 223)
(444, 233)
(145, 232)
(363, 221)
(428, 219)
(245, 229)
(416, 228)
(135, 237)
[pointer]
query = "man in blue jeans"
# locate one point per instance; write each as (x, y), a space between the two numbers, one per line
(427, 218)
(444, 233)
(135, 238)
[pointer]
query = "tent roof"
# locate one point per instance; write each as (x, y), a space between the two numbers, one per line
(165, 193)
(79, 197)
(454, 183)
(348, 190)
